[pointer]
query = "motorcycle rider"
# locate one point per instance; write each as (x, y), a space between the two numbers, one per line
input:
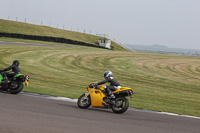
(114, 85)
(15, 70)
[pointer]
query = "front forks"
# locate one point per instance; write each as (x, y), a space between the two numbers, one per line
(86, 96)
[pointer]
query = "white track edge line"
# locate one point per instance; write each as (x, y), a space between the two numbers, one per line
(75, 100)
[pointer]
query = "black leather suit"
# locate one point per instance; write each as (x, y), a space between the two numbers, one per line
(113, 84)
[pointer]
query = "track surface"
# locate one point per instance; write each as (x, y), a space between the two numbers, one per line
(28, 114)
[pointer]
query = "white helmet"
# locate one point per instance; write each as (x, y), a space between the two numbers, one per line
(107, 74)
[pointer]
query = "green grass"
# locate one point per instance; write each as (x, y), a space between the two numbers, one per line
(161, 82)
(30, 29)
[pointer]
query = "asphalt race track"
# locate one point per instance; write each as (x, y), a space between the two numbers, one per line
(28, 114)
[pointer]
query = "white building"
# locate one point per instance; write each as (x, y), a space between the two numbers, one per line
(105, 43)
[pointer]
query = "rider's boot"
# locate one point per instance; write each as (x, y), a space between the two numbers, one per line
(111, 95)
(5, 80)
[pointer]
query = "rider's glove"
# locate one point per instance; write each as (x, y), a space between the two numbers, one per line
(95, 84)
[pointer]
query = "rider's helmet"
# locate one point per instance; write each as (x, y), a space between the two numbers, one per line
(16, 62)
(107, 74)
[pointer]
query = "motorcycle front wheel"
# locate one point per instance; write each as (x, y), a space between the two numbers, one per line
(121, 105)
(84, 102)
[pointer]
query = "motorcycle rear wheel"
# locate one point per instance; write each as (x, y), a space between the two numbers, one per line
(121, 105)
(17, 90)
(84, 103)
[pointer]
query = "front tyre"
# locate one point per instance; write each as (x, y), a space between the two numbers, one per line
(84, 102)
(17, 90)
(121, 105)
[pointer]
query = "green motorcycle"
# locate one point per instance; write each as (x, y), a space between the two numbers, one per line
(14, 84)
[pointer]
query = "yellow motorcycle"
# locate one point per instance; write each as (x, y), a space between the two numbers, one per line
(97, 97)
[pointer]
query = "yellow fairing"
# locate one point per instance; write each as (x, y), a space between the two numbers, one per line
(122, 89)
(101, 87)
(96, 97)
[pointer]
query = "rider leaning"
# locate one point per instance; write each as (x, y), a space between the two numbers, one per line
(15, 70)
(114, 85)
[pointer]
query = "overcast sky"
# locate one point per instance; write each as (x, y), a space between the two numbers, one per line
(173, 23)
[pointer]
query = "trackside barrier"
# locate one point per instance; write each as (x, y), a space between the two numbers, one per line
(48, 39)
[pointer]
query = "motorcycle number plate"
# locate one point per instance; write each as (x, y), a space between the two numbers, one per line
(26, 83)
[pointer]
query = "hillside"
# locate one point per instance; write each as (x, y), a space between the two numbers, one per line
(165, 50)
(30, 29)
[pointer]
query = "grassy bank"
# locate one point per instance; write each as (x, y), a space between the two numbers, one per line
(30, 29)
(161, 82)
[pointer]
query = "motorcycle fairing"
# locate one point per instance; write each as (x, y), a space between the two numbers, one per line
(118, 90)
(1, 78)
(122, 89)
(18, 75)
(96, 97)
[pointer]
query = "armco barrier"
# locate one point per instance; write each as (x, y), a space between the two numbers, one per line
(47, 38)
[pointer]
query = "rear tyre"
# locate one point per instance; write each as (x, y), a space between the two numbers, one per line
(121, 105)
(84, 103)
(17, 90)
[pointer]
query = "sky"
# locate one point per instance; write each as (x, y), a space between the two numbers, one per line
(172, 23)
